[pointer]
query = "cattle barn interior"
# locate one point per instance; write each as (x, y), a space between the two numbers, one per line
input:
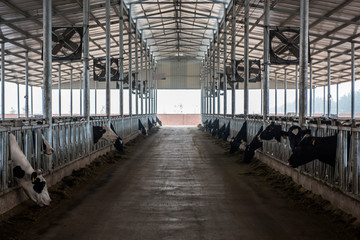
(180, 119)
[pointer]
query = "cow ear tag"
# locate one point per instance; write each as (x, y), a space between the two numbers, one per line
(313, 143)
(33, 177)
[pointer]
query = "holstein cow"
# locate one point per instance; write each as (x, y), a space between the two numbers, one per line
(250, 149)
(32, 181)
(273, 131)
(150, 124)
(207, 125)
(141, 128)
(311, 148)
(221, 131)
(108, 134)
(214, 127)
(226, 133)
(47, 149)
(240, 138)
(158, 121)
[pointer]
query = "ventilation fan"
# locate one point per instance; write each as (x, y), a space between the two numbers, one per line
(254, 71)
(66, 43)
(230, 83)
(237, 75)
(100, 69)
(126, 80)
(284, 46)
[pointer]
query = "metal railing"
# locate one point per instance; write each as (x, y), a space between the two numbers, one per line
(345, 174)
(69, 142)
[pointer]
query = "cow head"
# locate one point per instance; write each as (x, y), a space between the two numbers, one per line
(48, 150)
(109, 135)
(303, 153)
(272, 132)
(38, 191)
(295, 134)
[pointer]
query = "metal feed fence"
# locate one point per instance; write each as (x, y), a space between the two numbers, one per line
(345, 174)
(70, 142)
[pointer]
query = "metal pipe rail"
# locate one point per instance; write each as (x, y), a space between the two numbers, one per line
(344, 176)
(69, 142)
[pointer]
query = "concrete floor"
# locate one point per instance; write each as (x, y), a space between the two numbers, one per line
(178, 184)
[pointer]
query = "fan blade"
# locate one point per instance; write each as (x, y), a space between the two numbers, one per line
(69, 32)
(55, 37)
(100, 66)
(281, 37)
(57, 48)
(294, 49)
(113, 71)
(102, 74)
(254, 70)
(71, 45)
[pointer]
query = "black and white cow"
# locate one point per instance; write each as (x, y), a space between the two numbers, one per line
(226, 133)
(254, 144)
(273, 131)
(221, 131)
(47, 149)
(150, 124)
(33, 183)
(214, 127)
(240, 138)
(142, 129)
(107, 134)
(158, 121)
(311, 148)
(207, 125)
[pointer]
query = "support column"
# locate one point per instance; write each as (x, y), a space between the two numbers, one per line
(324, 101)
(225, 59)
(2, 80)
(311, 107)
(47, 70)
(296, 90)
(108, 61)
(59, 88)
(32, 101)
(121, 58)
(304, 58)
(95, 98)
(136, 70)
(246, 58)
(329, 85)
(276, 94)
(142, 75)
(208, 106)
(27, 84)
(81, 98)
(266, 59)
(213, 77)
(86, 67)
(71, 92)
(130, 61)
(18, 99)
(285, 93)
(352, 80)
(218, 69)
(337, 99)
(233, 58)
(147, 79)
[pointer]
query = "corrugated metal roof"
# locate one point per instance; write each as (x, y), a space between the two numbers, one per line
(180, 28)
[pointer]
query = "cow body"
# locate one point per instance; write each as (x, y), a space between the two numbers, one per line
(107, 133)
(311, 148)
(141, 128)
(31, 181)
(254, 144)
(240, 138)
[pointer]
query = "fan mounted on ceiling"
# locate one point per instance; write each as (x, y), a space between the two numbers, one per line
(254, 71)
(99, 69)
(66, 43)
(285, 45)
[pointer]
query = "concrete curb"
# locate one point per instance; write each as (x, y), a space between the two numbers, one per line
(345, 202)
